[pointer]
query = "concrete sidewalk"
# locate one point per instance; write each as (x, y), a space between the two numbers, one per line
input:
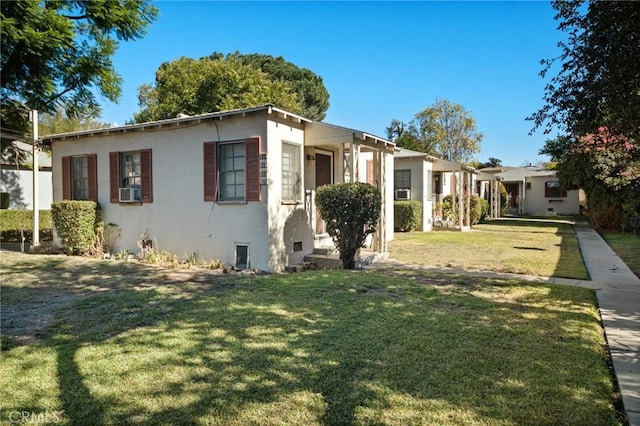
(618, 294)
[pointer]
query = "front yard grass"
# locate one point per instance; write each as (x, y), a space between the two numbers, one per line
(626, 246)
(546, 247)
(99, 342)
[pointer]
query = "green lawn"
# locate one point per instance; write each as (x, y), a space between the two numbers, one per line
(120, 343)
(535, 246)
(627, 247)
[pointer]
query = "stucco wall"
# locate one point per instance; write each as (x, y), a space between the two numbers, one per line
(179, 220)
(535, 201)
(19, 185)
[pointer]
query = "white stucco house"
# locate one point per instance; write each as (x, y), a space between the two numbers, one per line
(16, 179)
(536, 190)
(428, 179)
(237, 186)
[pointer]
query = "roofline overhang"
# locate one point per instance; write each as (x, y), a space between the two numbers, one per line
(175, 122)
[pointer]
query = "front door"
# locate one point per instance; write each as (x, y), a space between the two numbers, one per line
(324, 176)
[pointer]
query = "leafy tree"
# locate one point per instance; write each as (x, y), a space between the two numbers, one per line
(595, 100)
(445, 130)
(191, 86)
(493, 162)
(58, 122)
(308, 87)
(351, 212)
(598, 83)
(58, 54)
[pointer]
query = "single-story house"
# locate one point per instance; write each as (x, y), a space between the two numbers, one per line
(428, 179)
(237, 186)
(16, 179)
(536, 190)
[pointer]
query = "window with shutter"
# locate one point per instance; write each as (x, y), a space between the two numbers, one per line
(131, 170)
(79, 177)
(232, 170)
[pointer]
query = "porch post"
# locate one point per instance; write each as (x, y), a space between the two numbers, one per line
(468, 197)
(460, 187)
(355, 153)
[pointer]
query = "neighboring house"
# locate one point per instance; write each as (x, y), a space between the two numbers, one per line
(16, 179)
(536, 190)
(428, 179)
(237, 186)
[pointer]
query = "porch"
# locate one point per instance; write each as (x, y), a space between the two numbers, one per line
(334, 154)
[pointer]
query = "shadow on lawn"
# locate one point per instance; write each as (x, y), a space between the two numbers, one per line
(305, 348)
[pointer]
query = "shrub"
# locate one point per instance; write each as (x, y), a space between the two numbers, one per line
(75, 223)
(479, 209)
(351, 212)
(407, 215)
(15, 223)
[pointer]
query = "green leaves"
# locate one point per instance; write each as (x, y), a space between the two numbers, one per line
(219, 83)
(59, 54)
(351, 212)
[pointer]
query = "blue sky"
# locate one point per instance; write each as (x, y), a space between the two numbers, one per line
(378, 60)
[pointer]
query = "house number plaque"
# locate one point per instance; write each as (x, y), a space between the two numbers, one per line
(263, 168)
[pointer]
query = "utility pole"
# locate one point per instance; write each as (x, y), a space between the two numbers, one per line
(33, 116)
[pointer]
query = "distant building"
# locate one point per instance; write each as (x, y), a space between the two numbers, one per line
(16, 179)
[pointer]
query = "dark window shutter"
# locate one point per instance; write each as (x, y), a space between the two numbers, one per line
(146, 174)
(253, 169)
(66, 178)
(92, 169)
(210, 171)
(114, 177)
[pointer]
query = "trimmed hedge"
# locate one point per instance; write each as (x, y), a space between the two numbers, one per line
(75, 224)
(407, 215)
(12, 221)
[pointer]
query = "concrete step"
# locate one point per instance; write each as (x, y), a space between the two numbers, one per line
(331, 261)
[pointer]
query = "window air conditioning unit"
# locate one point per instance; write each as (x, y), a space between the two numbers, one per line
(403, 194)
(129, 195)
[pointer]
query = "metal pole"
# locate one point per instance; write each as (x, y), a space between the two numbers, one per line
(36, 175)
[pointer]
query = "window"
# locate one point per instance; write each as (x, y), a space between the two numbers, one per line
(232, 170)
(291, 180)
(552, 190)
(402, 179)
(79, 178)
(131, 173)
(131, 169)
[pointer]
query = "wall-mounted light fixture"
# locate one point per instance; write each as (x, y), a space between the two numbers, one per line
(311, 157)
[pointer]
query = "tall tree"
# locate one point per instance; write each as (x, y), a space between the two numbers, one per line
(308, 86)
(58, 122)
(211, 84)
(598, 83)
(595, 100)
(445, 130)
(58, 53)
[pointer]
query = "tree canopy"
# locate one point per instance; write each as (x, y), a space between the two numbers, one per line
(595, 101)
(58, 54)
(445, 130)
(218, 83)
(598, 83)
(308, 87)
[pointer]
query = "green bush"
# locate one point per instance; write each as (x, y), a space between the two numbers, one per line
(479, 209)
(75, 223)
(351, 212)
(5, 197)
(407, 215)
(14, 221)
